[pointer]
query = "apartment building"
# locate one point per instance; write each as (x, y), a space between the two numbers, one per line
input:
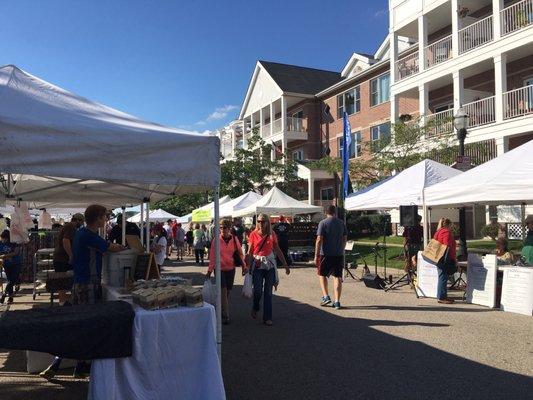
(474, 54)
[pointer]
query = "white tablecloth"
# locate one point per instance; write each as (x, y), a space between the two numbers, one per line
(174, 357)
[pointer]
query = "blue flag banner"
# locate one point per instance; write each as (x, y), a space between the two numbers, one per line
(346, 143)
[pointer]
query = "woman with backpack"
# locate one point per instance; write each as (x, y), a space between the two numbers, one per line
(231, 256)
(261, 258)
(445, 236)
(199, 240)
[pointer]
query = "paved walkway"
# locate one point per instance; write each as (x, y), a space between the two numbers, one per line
(380, 346)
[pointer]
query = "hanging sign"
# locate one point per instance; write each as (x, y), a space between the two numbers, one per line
(201, 215)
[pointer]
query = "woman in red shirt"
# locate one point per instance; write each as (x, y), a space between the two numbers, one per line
(445, 236)
(262, 251)
(229, 245)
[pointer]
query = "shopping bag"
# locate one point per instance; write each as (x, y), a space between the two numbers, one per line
(247, 288)
(434, 251)
(209, 293)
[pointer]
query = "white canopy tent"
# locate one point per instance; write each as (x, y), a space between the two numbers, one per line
(405, 188)
(58, 148)
(158, 215)
(507, 179)
(275, 202)
(232, 206)
(185, 219)
(210, 206)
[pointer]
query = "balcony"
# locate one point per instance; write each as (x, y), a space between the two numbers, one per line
(439, 123)
(516, 17)
(518, 102)
(481, 112)
(438, 52)
(475, 35)
(407, 66)
(294, 125)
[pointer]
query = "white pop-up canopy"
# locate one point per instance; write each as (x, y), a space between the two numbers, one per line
(275, 202)
(232, 206)
(158, 215)
(405, 188)
(507, 179)
(63, 149)
(210, 206)
(57, 148)
(184, 219)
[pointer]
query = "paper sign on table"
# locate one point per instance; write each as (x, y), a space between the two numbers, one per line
(481, 278)
(517, 290)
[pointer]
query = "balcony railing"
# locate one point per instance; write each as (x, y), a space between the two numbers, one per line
(295, 125)
(438, 52)
(516, 17)
(407, 65)
(265, 131)
(475, 35)
(518, 102)
(439, 123)
(481, 112)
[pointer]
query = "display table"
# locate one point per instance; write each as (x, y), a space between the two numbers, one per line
(174, 357)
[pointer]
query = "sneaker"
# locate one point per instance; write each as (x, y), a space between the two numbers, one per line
(325, 301)
(48, 374)
(337, 305)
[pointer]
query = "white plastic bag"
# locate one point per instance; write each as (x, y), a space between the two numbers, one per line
(209, 293)
(247, 288)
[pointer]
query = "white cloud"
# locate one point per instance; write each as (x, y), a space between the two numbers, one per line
(380, 13)
(218, 114)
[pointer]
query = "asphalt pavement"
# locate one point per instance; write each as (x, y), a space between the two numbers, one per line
(379, 346)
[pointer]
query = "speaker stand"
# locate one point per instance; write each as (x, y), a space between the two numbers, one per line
(406, 279)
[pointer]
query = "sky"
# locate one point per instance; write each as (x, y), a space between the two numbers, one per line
(181, 63)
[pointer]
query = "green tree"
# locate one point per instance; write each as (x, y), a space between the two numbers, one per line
(183, 204)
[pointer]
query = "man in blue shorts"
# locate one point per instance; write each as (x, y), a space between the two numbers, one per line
(331, 239)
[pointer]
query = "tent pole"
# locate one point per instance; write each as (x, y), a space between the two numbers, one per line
(426, 222)
(123, 226)
(147, 220)
(523, 219)
(217, 273)
(142, 220)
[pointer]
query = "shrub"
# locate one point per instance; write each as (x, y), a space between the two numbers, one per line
(490, 230)
(368, 225)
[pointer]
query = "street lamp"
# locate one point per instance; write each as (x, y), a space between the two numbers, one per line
(460, 121)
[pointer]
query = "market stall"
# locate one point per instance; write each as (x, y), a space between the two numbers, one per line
(505, 180)
(59, 149)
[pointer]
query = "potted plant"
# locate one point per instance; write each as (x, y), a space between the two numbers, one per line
(463, 11)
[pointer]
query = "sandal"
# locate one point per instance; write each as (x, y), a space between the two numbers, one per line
(268, 323)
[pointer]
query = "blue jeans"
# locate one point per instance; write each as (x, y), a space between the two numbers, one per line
(13, 275)
(442, 285)
(264, 277)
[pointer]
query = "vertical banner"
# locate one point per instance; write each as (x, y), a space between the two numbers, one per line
(346, 143)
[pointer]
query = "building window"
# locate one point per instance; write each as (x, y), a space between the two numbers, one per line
(355, 145)
(327, 193)
(298, 155)
(380, 136)
(380, 89)
(349, 101)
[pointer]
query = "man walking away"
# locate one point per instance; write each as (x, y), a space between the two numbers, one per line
(329, 250)
(282, 232)
(179, 241)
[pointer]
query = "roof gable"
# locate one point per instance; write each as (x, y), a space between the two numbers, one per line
(357, 63)
(261, 91)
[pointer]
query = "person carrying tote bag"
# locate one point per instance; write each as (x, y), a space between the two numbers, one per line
(446, 264)
(231, 256)
(261, 258)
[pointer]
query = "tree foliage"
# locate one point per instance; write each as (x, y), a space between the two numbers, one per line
(183, 204)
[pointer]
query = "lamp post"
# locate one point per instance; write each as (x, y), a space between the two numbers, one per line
(460, 122)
